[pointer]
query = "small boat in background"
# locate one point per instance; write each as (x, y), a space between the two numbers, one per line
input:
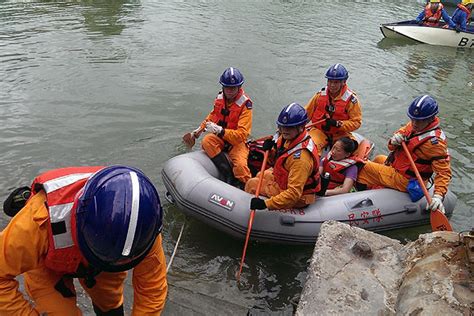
(428, 35)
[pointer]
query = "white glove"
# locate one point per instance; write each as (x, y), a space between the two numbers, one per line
(212, 127)
(436, 204)
(397, 139)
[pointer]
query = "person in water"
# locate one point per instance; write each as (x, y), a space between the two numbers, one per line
(337, 106)
(294, 179)
(87, 223)
(428, 147)
(229, 125)
(341, 166)
(432, 14)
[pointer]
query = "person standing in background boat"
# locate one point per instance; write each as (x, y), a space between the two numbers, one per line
(337, 105)
(341, 166)
(90, 223)
(229, 125)
(428, 147)
(432, 14)
(294, 179)
(462, 14)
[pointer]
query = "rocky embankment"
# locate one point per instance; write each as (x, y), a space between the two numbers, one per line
(357, 272)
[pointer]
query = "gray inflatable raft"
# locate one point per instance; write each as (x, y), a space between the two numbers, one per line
(193, 184)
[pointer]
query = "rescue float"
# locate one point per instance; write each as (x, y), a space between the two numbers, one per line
(429, 35)
(194, 185)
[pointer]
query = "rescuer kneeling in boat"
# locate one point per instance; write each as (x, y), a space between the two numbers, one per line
(462, 14)
(90, 223)
(337, 106)
(432, 14)
(428, 147)
(294, 179)
(229, 125)
(341, 166)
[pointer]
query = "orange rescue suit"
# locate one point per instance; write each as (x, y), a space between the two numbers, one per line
(236, 120)
(344, 108)
(296, 178)
(429, 151)
(24, 245)
(303, 141)
(432, 18)
(235, 117)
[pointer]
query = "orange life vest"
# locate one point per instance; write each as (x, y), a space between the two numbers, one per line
(337, 111)
(303, 141)
(336, 168)
(400, 160)
(466, 10)
(432, 19)
(228, 117)
(61, 187)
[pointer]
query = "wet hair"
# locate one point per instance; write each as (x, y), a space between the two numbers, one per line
(348, 144)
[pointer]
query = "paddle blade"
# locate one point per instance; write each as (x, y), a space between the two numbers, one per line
(439, 222)
(189, 140)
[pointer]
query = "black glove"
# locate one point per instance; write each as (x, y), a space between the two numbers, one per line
(331, 122)
(268, 144)
(16, 201)
(257, 204)
(458, 28)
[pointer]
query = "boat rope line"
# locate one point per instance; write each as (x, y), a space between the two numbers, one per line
(175, 248)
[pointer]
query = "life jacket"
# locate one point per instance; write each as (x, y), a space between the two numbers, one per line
(228, 117)
(432, 18)
(61, 187)
(462, 7)
(336, 169)
(400, 160)
(337, 111)
(303, 141)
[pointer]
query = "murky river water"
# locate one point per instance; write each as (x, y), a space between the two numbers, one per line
(119, 82)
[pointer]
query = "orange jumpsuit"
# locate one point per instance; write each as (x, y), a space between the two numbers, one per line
(375, 174)
(345, 103)
(23, 248)
(235, 136)
(300, 167)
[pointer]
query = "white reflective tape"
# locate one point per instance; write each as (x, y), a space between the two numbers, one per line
(427, 134)
(60, 212)
(421, 100)
(231, 71)
(346, 95)
(442, 135)
(58, 183)
(241, 100)
(132, 225)
(289, 107)
(336, 66)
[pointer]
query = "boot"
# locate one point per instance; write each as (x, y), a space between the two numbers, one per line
(224, 167)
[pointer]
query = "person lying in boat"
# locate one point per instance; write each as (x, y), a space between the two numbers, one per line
(88, 223)
(229, 125)
(341, 166)
(428, 147)
(462, 14)
(336, 106)
(294, 179)
(432, 14)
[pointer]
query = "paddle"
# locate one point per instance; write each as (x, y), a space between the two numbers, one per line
(189, 138)
(438, 220)
(252, 213)
(315, 123)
